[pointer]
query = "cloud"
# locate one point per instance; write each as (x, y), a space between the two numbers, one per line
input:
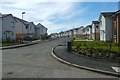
(58, 15)
(36, 1)
(55, 15)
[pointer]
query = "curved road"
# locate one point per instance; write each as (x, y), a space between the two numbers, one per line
(36, 61)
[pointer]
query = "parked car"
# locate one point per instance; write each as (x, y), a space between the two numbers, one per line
(29, 38)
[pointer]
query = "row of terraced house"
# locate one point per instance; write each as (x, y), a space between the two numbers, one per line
(14, 28)
(106, 28)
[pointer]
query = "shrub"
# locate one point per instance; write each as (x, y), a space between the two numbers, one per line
(98, 49)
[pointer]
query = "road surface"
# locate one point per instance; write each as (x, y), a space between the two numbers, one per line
(36, 61)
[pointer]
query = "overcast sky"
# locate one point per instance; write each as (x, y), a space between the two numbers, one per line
(58, 15)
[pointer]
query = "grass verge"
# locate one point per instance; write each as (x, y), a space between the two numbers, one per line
(11, 43)
(98, 49)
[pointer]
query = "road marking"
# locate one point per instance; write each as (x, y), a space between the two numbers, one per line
(117, 69)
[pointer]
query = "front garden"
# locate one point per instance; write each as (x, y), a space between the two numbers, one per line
(79, 38)
(10, 43)
(97, 49)
(0, 44)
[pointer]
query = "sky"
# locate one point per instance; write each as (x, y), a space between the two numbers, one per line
(59, 15)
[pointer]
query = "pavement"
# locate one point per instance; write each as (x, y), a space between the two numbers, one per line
(92, 64)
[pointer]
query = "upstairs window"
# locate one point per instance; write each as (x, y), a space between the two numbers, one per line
(87, 29)
(12, 33)
(12, 24)
(114, 32)
(27, 27)
(114, 19)
(97, 26)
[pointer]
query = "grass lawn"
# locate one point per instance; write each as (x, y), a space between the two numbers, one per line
(77, 39)
(97, 45)
(0, 44)
(10, 43)
(80, 39)
(97, 49)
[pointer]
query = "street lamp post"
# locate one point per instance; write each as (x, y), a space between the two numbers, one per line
(22, 25)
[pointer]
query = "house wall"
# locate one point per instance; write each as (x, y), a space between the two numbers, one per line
(75, 31)
(52, 36)
(37, 33)
(118, 28)
(19, 32)
(70, 33)
(59, 35)
(80, 32)
(20, 35)
(0, 28)
(63, 34)
(66, 34)
(93, 28)
(108, 30)
(55, 36)
(93, 36)
(114, 31)
(90, 33)
(43, 30)
(87, 33)
(95, 31)
(98, 29)
(7, 23)
(97, 36)
(19, 26)
(102, 29)
(31, 29)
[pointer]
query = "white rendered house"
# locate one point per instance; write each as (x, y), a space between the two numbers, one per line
(42, 30)
(78, 32)
(105, 24)
(0, 27)
(87, 32)
(95, 30)
(8, 27)
(24, 28)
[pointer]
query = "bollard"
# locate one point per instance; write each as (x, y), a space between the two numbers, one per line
(69, 46)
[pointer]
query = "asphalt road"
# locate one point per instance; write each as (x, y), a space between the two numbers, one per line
(36, 61)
